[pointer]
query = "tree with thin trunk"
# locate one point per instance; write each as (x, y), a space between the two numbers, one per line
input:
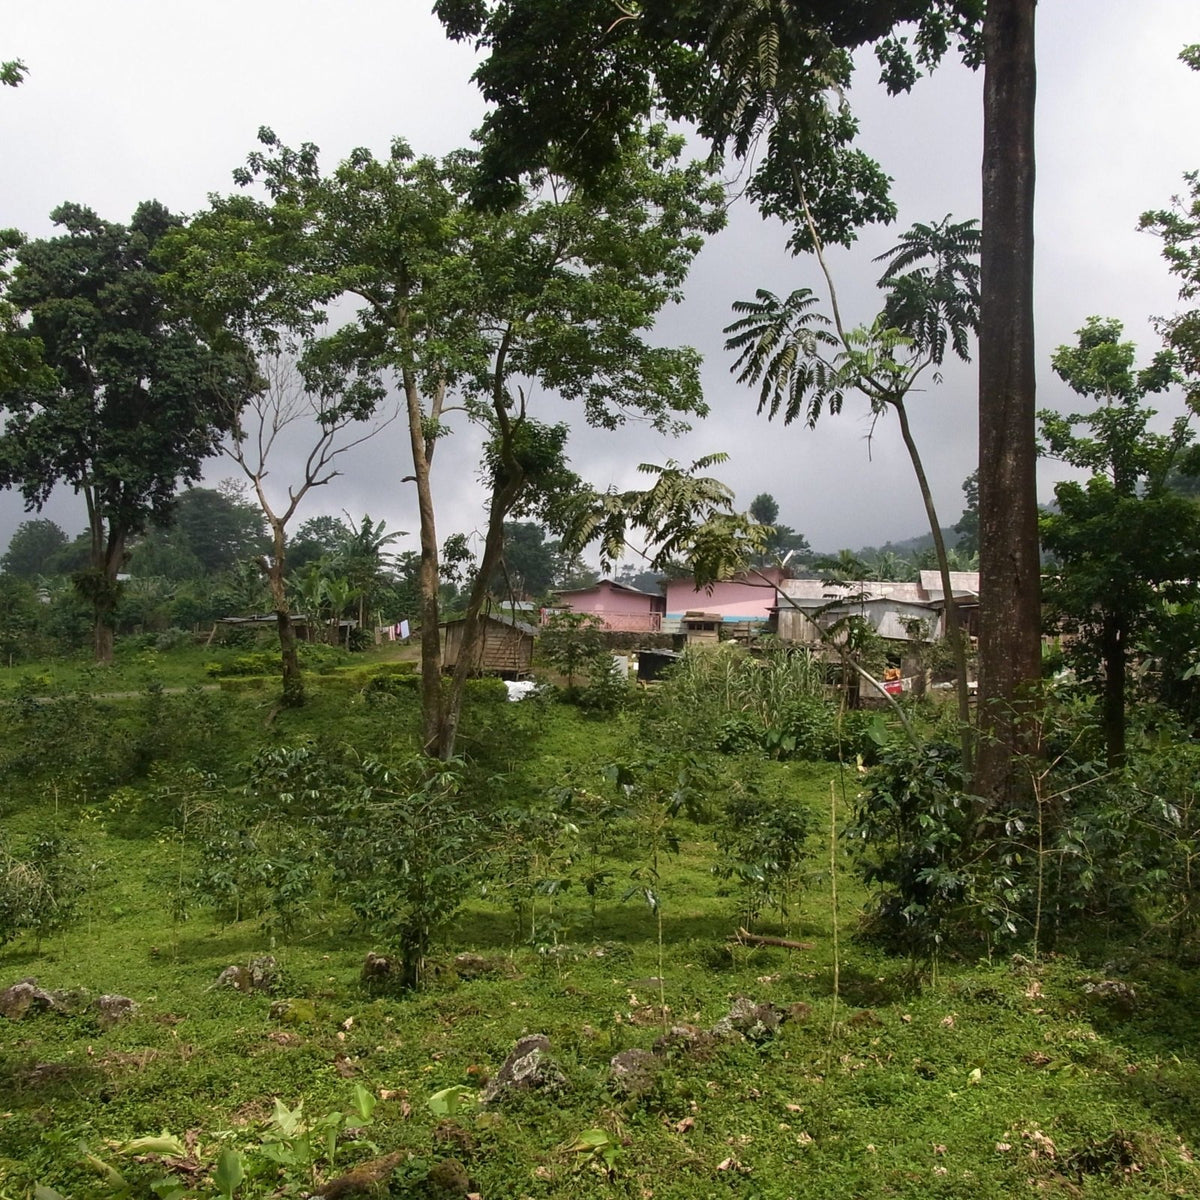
(283, 403)
(1124, 545)
(475, 315)
(805, 363)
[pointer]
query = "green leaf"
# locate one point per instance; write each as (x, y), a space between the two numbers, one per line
(229, 1172)
(166, 1144)
(364, 1102)
(451, 1100)
(287, 1120)
(591, 1140)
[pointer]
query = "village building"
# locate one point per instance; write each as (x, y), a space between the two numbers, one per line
(746, 599)
(504, 648)
(621, 608)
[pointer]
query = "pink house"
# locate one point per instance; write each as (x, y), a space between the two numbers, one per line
(746, 597)
(621, 608)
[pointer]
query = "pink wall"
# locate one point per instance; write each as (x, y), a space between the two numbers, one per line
(604, 598)
(734, 599)
(619, 608)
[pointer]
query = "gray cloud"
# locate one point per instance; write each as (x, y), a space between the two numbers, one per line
(137, 99)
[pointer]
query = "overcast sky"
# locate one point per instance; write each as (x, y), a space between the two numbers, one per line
(128, 100)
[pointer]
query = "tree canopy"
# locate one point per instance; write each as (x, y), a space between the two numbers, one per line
(1123, 544)
(570, 84)
(135, 396)
(468, 312)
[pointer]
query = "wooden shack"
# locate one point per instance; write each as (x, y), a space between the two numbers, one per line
(701, 628)
(505, 647)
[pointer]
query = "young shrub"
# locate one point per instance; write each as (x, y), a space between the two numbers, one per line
(763, 843)
(40, 888)
(406, 854)
(912, 825)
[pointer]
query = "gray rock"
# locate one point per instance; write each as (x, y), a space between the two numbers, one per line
(684, 1039)
(112, 1010)
(528, 1067)
(632, 1073)
(297, 1011)
(757, 1022)
(477, 966)
(377, 967)
(24, 997)
(258, 975)
(1116, 993)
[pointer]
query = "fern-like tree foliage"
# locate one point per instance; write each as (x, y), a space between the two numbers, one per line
(804, 363)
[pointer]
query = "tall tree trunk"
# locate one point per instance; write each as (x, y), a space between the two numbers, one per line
(432, 731)
(1112, 649)
(276, 572)
(1010, 572)
(953, 626)
(502, 504)
(102, 586)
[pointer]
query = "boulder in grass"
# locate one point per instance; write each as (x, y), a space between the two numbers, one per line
(1115, 994)
(632, 1073)
(756, 1022)
(298, 1011)
(260, 974)
(366, 1179)
(477, 966)
(528, 1068)
(377, 967)
(685, 1040)
(24, 997)
(112, 1010)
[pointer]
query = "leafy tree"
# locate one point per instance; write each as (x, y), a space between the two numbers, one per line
(19, 613)
(467, 310)
(32, 545)
(135, 398)
(20, 353)
(364, 559)
(782, 541)
(805, 363)
(527, 568)
(71, 558)
(1124, 544)
(573, 643)
(211, 530)
(967, 525)
(764, 508)
(570, 81)
(12, 72)
(1179, 229)
(888, 565)
(643, 579)
(318, 537)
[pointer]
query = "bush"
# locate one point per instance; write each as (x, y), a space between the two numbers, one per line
(764, 846)
(39, 889)
(261, 662)
(912, 825)
(487, 689)
(407, 857)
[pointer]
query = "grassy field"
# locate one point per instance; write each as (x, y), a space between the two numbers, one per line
(996, 1078)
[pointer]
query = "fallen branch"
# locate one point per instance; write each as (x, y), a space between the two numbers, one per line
(758, 939)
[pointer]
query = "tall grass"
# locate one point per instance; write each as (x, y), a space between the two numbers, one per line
(728, 680)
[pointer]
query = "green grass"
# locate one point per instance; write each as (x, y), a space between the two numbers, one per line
(997, 1080)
